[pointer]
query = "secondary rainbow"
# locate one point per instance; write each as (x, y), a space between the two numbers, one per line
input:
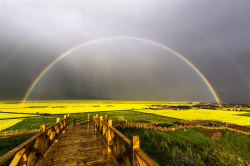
(40, 76)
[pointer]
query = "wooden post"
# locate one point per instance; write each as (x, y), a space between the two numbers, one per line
(68, 119)
(88, 118)
(109, 134)
(64, 122)
(106, 117)
(43, 146)
(94, 124)
(57, 120)
(100, 124)
(42, 128)
(74, 120)
(96, 115)
(135, 143)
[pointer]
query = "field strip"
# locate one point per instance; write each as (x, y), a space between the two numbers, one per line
(205, 114)
(14, 115)
(8, 123)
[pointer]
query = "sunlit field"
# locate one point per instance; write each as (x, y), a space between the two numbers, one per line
(234, 117)
(12, 113)
(163, 146)
(9, 119)
(63, 107)
(9, 122)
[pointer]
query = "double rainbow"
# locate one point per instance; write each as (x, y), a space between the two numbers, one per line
(39, 77)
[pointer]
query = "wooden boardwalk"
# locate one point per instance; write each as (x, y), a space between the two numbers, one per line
(90, 141)
(79, 145)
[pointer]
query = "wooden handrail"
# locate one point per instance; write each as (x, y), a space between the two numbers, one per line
(37, 145)
(119, 134)
(116, 144)
(143, 156)
(14, 151)
(81, 119)
(33, 150)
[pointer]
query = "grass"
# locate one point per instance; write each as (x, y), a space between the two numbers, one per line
(191, 147)
(179, 147)
(245, 114)
(40, 108)
(77, 106)
(35, 122)
(164, 125)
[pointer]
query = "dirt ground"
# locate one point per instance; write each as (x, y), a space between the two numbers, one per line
(241, 128)
(213, 134)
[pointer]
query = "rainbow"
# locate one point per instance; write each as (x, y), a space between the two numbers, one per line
(233, 64)
(40, 76)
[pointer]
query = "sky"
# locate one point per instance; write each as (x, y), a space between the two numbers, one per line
(214, 36)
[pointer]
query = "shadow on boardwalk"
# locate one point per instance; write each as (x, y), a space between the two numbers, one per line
(79, 146)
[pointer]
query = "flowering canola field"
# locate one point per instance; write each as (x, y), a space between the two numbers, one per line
(234, 117)
(34, 108)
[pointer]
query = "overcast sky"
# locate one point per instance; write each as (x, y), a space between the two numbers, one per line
(213, 35)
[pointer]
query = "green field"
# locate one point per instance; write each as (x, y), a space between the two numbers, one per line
(20, 112)
(179, 147)
(192, 147)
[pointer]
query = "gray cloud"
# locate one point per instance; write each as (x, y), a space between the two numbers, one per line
(213, 35)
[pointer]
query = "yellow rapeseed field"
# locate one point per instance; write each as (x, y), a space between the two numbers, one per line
(10, 115)
(77, 106)
(234, 117)
(63, 107)
(8, 123)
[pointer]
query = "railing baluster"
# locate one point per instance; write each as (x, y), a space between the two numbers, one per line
(135, 143)
(109, 134)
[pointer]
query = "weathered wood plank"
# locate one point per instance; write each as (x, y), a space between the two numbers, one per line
(79, 146)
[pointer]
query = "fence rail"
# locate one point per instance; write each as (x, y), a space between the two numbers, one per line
(176, 127)
(34, 149)
(126, 151)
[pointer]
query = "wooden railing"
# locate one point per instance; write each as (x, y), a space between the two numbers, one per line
(81, 119)
(34, 149)
(127, 152)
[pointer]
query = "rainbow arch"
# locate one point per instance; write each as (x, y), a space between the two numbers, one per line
(40, 76)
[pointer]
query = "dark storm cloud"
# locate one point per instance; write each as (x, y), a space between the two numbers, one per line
(213, 35)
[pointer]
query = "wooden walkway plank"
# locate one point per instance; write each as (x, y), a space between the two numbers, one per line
(79, 146)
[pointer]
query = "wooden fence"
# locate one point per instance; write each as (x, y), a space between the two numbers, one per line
(34, 149)
(127, 152)
(18, 133)
(173, 128)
